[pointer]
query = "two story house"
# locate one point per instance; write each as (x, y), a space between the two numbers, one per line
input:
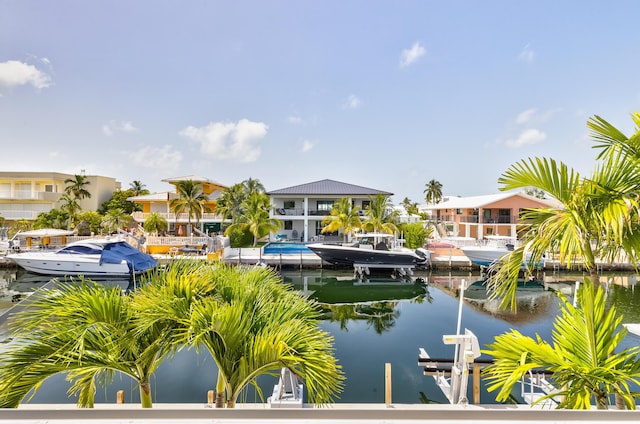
(302, 208)
(23, 195)
(481, 216)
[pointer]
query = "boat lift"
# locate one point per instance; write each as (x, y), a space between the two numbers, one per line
(399, 271)
(452, 376)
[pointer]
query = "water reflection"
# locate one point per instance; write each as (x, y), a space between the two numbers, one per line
(345, 299)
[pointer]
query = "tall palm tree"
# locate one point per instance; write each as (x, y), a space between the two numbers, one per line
(77, 186)
(138, 188)
(71, 206)
(433, 191)
(380, 215)
(248, 321)
(583, 355)
(344, 216)
(251, 186)
(191, 200)
(116, 218)
(256, 218)
(85, 330)
(229, 204)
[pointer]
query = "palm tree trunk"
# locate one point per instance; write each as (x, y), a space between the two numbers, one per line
(601, 401)
(220, 391)
(145, 394)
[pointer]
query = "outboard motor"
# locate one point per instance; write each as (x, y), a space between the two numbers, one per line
(424, 254)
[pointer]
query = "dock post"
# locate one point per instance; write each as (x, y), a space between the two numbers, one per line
(387, 383)
(210, 397)
(120, 396)
(476, 384)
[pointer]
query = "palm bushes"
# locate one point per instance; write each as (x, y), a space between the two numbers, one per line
(248, 321)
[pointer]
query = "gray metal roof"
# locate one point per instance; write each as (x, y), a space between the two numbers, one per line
(329, 187)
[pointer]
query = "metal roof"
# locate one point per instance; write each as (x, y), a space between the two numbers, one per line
(474, 202)
(329, 187)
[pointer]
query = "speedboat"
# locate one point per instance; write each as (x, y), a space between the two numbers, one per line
(489, 253)
(371, 249)
(91, 257)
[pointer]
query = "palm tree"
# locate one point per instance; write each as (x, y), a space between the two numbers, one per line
(137, 188)
(433, 192)
(116, 218)
(85, 330)
(597, 218)
(247, 320)
(583, 355)
(155, 223)
(229, 204)
(191, 199)
(71, 206)
(380, 215)
(252, 186)
(256, 218)
(344, 216)
(76, 186)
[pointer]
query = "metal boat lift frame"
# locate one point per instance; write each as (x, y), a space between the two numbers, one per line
(362, 270)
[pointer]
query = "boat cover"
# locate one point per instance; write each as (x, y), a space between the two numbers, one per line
(114, 253)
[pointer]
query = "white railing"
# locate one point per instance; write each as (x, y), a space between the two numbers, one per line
(172, 217)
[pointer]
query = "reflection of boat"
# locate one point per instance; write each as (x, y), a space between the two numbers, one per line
(371, 249)
(341, 292)
(28, 282)
(92, 257)
(478, 289)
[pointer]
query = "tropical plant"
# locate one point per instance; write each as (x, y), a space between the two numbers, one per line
(256, 218)
(381, 217)
(191, 200)
(597, 218)
(344, 216)
(77, 187)
(252, 186)
(415, 234)
(116, 218)
(155, 223)
(55, 218)
(119, 201)
(247, 320)
(20, 225)
(84, 330)
(229, 204)
(582, 357)
(70, 205)
(433, 192)
(137, 188)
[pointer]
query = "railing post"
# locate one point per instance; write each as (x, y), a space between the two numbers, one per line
(476, 384)
(120, 396)
(387, 383)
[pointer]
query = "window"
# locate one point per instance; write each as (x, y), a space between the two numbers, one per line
(366, 204)
(48, 188)
(325, 205)
(458, 211)
(288, 225)
(289, 204)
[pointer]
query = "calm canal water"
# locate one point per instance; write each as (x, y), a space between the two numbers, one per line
(373, 322)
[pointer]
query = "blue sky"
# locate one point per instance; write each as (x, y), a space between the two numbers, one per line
(384, 94)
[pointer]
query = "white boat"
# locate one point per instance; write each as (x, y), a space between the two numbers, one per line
(491, 251)
(376, 250)
(91, 257)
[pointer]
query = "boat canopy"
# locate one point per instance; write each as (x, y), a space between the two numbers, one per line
(116, 252)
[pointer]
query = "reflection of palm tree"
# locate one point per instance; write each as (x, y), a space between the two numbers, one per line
(381, 316)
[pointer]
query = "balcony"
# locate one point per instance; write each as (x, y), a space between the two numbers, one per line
(30, 195)
(183, 218)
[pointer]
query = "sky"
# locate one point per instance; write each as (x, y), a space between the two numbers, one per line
(383, 94)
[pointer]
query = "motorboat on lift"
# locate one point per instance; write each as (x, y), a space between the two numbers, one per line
(110, 256)
(490, 252)
(371, 249)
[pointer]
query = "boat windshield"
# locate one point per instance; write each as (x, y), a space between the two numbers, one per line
(80, 249)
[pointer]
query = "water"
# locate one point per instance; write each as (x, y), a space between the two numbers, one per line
(373, 322)
(286, 247)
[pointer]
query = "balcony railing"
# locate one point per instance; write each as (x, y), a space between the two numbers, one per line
(30, 195)
(475, 219)
(171, 217)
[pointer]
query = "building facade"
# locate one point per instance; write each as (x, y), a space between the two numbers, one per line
(24, 195)
(302, 208)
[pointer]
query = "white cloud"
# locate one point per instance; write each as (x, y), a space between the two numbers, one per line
(156, 158)
(526, 137)
(123, 126)
(352, 102)
(527, 55)
(526, 116)
(14, 73)
(229, 140)
(409, 56)
(294, 119)
(307, 145)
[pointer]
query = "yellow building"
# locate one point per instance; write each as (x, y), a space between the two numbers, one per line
(159, 203)
(23, 195)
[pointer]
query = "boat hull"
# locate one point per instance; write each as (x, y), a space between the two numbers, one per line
(51, 264)
(483, 255)
(345, 255)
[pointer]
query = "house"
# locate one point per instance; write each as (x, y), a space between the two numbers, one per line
(481, 216)
(24, 195)
(302, 208)
(159, 203)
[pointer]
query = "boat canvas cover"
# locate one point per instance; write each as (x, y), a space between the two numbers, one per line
(114, 253)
